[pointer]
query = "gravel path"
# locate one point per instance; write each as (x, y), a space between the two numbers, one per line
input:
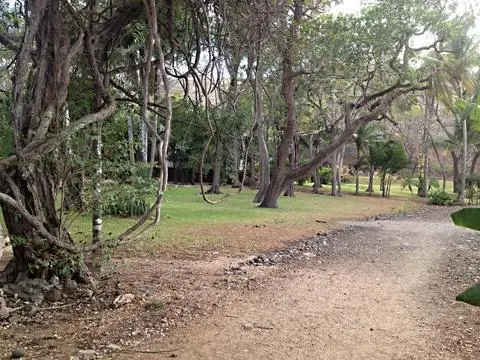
(382, 289)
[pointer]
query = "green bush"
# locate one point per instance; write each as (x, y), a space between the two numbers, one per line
(326, 174)
(128, 199)
(439, 197)
(472, 180)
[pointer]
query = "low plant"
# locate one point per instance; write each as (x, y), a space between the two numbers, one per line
(440, 197)
(469, 218)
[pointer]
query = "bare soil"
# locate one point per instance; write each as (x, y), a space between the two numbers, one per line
(380, 289)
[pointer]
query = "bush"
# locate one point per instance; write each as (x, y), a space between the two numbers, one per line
(129, 199)
(439, 197)
(326, 174)
(472, 180)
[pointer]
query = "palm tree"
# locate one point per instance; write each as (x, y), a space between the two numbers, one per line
(455, 81)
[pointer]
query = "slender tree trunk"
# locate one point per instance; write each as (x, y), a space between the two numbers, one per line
(217, 169)
(264, 164)
(97, 222)
(153, 139)
(235, 175)
(290, 191)
(456, 176)
(131, 149)
(316, 178)
(340, 170)
(357, 181)
(334, 191)
(444, 178)
(463, 168)
(371, 174)
(474, 162)
(423, 189)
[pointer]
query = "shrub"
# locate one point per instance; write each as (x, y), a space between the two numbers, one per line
(326, 174)
(439, 197)
(128, 199)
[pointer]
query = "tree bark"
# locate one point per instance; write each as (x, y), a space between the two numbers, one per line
(371, 174)
(279, 180)
(334, 189)
(217, 169)
(131, 149)
(264, 163)
(456, 178)
(473, 166)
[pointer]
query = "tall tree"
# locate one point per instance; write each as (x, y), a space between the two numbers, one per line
(372, 55)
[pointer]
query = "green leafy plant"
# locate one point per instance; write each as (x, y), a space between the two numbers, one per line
(439, 197)
(326, 174)
(468, 218)
(409, 182)
(129, 199)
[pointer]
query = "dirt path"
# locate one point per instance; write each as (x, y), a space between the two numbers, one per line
(384, 290)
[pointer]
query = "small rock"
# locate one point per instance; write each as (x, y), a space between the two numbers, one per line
(247, 327)
(123, 299)
(87, 354)
(114, 347)
(70, 284)
(18, 354)
(53, 295)
(37, 298)
(74, 358)
(54, 280)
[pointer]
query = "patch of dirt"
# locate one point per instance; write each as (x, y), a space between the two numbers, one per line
(380, 289)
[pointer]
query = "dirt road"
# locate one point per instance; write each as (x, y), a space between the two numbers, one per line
(384, 290)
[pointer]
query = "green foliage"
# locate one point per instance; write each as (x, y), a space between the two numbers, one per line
(470, 296)
(129, 199)
(409, 182)
(472, 188)
(434, 184)
(439, 197)
(388, 156)
(6, 133)
(326, 174)
(469, 218)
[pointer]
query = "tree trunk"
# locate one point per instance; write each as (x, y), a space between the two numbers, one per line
(290, 190)
(340, 170)
(456, 177)
(334, 174)
(131, 148)
(371, 174)
(474, 162)
(357, 181)
(264, 164)
(33, 256)
(463, 168)
(288, 90)
(217, 169)
(143, 83)
(235, 175)
(316, 178)
(153, 140)
(444, 178)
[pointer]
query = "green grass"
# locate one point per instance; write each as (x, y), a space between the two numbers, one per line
(189, 223)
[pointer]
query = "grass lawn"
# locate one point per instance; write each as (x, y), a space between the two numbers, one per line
(236, 225)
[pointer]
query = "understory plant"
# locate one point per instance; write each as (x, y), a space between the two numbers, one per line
(469, 218)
